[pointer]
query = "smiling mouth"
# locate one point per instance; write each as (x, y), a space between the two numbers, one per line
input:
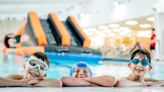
(32, 73)
(139, 70)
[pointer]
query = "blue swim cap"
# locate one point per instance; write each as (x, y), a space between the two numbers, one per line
(80, 65)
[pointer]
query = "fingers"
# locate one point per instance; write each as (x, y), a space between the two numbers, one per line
(33, 82)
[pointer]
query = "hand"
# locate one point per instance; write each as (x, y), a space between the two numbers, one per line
(158, 83)
(148, 83)
(33, 82)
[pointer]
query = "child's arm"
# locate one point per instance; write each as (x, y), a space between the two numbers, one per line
(46, 83)
(107, 81)
(75, 82)
(152, 80)
(15, 77)
(8, 82)
(128, 83)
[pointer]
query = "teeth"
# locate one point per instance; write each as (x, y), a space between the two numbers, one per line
(139, 69)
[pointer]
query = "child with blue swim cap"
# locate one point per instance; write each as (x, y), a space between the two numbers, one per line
(81, 75)
(81, 70)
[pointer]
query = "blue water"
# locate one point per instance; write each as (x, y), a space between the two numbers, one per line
(70, 57)
(11, 64)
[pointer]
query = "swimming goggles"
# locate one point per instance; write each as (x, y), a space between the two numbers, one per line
(144, 62)
(36, 63)
(81, 65)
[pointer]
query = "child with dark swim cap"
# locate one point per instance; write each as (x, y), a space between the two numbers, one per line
(35, 69)
(139, 64)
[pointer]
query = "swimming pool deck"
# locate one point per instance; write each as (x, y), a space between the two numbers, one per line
(85, 89)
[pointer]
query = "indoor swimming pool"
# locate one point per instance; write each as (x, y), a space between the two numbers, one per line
(11, 64)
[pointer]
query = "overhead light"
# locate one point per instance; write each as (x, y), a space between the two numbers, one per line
(112, 35)
(145, 33)
(151, 19)
(131, 22)
(116, 30)
(106, 31)
(114, 25)
(89, 33)
(145, 26)
(125, 31)
(116, 3)
(91, 29)
(102, 27)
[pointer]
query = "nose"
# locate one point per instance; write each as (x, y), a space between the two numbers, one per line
(139, 64)
(37, 67)
(81, 72)
(44, 75)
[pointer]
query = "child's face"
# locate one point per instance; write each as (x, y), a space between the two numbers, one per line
(139, 65)
(36, 68)
(81, 73)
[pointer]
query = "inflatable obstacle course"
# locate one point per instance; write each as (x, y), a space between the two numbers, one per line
(53, 37)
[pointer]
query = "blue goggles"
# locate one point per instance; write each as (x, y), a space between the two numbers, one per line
(144, 62)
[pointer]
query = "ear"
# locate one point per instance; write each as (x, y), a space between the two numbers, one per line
(75, 75)
(129, 65)
(150, 67)
(24, 66)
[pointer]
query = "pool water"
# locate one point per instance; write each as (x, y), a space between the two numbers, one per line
(12, 64)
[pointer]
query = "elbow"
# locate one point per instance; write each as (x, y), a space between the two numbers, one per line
(55, 83)
(59, 84)
(114, 82)
(110, 81)
(65, 80)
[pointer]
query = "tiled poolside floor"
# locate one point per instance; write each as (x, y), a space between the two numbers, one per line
(85, 89)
